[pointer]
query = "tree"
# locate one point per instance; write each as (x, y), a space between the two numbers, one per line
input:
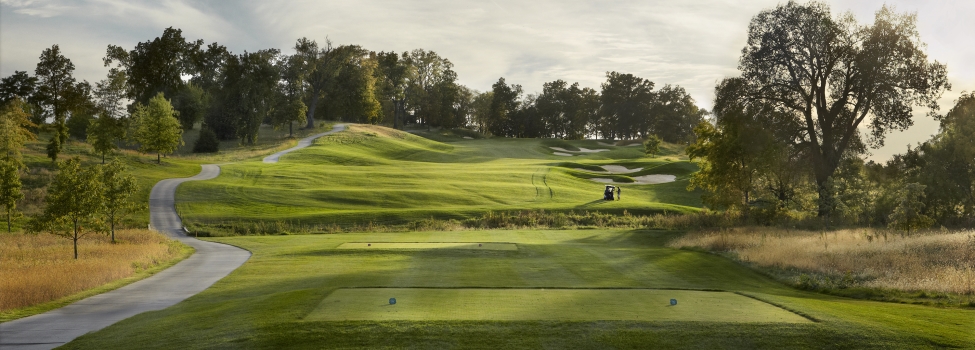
(430, 87)
(118, 186)
(102, 133)
(74, 203)
(20, 84)
(191, 103)
(945, 166)
(207, 142)
(290, 108)
(14, 130)
(505, 101)
(9, 188)
(156, 66)
(352, 92)
(833, 74)
(651, 146)
(391, 73)
(248, 97)
(908, 214)
(675, 114)
(156, 128)
(55, 91)
(626, 101)
(318, 69)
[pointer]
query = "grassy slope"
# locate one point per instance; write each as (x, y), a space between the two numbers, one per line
(375, 174)
(265, 302)
(147, 173)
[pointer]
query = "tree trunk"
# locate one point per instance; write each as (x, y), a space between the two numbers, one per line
(76, 242)
(311, 111)
(291, 129)
(113, 229)
(158, 159)
(8, 221)
(103, 157)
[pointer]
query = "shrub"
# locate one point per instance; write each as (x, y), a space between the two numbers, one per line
(207, 143)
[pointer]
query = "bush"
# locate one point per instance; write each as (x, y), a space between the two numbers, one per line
(207, 143)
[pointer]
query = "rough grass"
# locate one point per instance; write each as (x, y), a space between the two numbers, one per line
(380, 176)
(40, 268)
(935, 261)
(264, 304)
(427, 304)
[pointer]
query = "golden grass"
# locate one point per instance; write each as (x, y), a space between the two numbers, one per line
(937, 261)
(35, 269)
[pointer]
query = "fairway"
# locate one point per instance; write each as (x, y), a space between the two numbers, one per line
(429, 245)
(417, 304)
(373, 174)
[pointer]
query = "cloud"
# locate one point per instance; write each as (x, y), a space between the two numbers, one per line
(692, 44)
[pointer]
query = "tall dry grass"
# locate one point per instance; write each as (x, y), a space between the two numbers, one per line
(39, 268)
(936, 261)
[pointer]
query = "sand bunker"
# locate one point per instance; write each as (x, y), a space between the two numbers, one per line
(468, 137)
(612, 169)
(619, 169)
(562, 154)
(581, 150)
(640, 180)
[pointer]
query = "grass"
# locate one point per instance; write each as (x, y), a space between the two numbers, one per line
(429, 245)
(377, 175)
(933, 267)
(509, 304)
(39, 271)
(267, 302)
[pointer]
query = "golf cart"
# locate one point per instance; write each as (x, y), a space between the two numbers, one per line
(608, 194)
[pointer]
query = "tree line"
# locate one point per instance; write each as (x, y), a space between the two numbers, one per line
(816, 92)
(232, 95)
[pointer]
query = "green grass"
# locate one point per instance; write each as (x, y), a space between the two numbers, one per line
(510, 304)
(267, 303)
(375, 174)
(428, 245)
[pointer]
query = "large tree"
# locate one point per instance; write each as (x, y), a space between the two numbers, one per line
(431, 87)
(291, 107)
(505, 102)
(14, 130)
(626, 101)
(158, 65)
(319, 70)
(156, 128)
(833, 75)
(352, 92)
(56, 93)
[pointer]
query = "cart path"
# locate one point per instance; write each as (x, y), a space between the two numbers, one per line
(305, 142)
(210, 263)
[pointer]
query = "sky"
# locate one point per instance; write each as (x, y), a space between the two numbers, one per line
(693, 44)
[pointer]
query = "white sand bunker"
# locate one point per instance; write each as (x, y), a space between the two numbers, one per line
(612, 169)
(468, 137)
(562, 154)
(581, 150)
(640, 180)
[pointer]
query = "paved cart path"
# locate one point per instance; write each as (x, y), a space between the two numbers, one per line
(305, 142)
(211, 262)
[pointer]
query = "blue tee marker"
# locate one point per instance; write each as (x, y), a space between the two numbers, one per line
(392, 301)
(673, 302)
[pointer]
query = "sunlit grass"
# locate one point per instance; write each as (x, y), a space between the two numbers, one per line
(40, 268)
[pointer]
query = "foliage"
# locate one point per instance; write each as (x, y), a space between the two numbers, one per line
(156, 129)
(191, 103)
(652, 145)
(156, 66)
(119, 186)
(14, 130)
(74, 203)
(832, 74)
(908, 215)
(102, 133)
(207, 142)
(10, 187)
